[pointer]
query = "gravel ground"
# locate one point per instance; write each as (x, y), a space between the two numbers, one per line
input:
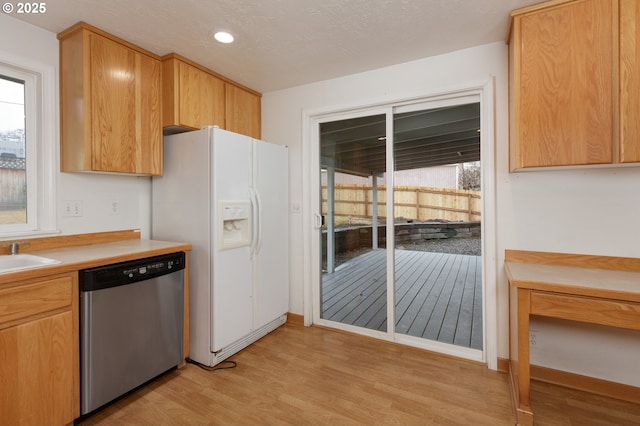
(448, 245)
(471, 246)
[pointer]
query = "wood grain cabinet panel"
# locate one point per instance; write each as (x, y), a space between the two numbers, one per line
(39, 349)
(586, 309)
(33, 299)
(110, 104)
(574, 84)
(562, 85)
(629, 81)
(202, 98)
(243, 111)
(195, 97)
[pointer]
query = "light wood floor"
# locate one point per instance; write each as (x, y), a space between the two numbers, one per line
(438, 295)
(314, 376)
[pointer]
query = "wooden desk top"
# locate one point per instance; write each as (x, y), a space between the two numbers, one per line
(603, 283)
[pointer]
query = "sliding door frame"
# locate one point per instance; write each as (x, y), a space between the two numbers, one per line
(485, 94)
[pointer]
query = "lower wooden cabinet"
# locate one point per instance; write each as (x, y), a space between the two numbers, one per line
(39, 351)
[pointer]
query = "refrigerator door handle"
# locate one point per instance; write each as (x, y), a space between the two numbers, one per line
(259, 221)
(254, 222)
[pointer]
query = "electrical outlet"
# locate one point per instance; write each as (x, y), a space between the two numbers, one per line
(66, 208)
(115, 207)
(76, 209)
(533, 338)
(72, 208)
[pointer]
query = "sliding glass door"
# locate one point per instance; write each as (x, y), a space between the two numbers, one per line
(437, 266)
(398, 224)
(353, 284)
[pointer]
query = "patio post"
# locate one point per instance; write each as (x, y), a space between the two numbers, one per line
(331, 178)
(374, 211)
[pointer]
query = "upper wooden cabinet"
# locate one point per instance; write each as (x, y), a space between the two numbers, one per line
(243, 112)
(629, 81)
(110, 104)
(194, 97)
(571, 100)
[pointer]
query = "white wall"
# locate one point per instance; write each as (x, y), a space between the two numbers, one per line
(23, 40)
(579, 211)
(587, 211)
(283, 110)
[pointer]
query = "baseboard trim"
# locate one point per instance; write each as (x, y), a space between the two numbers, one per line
(295, 319)
(503, 365)
(588, 384)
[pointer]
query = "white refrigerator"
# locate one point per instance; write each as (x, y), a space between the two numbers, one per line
(227, 195)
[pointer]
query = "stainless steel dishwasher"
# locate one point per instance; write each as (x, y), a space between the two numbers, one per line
(131, 326)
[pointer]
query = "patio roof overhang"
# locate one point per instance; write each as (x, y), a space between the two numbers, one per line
(427, 138)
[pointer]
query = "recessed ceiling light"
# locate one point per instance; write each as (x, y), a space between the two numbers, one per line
(223, 37)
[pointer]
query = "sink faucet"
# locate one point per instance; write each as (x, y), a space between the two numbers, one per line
(13, 248)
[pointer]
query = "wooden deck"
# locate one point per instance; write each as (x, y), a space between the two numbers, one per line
(438, 295)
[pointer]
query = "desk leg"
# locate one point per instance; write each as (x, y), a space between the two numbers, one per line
(524, 413)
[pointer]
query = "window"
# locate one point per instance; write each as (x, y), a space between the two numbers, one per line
(27, 140)
(13, 165)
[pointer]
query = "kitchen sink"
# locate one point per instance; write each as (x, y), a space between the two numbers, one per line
(18, 262)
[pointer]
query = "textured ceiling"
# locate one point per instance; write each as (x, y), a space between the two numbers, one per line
(285, 43)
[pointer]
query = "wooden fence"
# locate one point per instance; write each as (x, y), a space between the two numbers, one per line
(13, 194)
(411, 202)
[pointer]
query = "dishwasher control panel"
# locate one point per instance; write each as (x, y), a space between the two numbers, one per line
(130, 272)
(151, 268)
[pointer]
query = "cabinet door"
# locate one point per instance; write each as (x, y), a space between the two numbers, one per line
(201, 98)
(125, 109)
(37, 372)
(113, 106)
(563, 85)
(148, 116)
(243, 111)
(629, 81)
(212, 101)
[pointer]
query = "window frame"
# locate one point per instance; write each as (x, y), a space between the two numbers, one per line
(41, 139)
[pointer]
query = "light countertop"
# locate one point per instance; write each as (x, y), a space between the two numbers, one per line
(92, 255)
